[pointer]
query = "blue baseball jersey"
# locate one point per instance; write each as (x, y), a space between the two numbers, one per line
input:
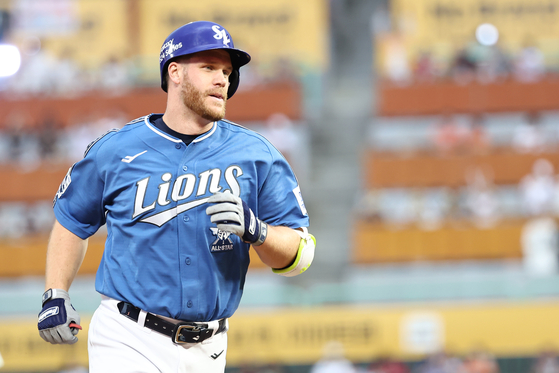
(162, 253)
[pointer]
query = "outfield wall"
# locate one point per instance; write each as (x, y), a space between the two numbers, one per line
(296, 336)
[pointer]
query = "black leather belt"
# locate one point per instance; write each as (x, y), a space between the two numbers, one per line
(183, 332)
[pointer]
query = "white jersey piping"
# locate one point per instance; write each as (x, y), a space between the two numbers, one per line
(157, 131)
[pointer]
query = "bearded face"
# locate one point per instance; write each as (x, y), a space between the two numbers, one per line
(209, 104)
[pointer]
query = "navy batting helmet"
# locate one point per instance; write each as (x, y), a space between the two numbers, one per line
(201, 36)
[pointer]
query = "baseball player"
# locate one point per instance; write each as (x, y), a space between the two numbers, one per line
(184, 195)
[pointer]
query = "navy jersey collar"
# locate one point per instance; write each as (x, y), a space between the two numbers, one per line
(156, 124)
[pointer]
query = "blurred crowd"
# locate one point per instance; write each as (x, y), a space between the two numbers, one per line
(29, 145)
(472, 62)
(42, 72)
(60, 75)
(478, 199)
(477, 361)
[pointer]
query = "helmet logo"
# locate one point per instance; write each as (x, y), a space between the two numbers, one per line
(168, 48)
(221, 34)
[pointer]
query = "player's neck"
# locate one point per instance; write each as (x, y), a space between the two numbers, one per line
(185, 122)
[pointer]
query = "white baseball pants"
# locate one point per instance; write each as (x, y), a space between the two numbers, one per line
(118, 344)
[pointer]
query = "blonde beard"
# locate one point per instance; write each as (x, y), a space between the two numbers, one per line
(194, 99)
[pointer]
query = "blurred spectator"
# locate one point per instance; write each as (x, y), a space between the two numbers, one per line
(48, 137)
(35, 75)
(23, 147)
(13, 220)
(280, 131)
(291, 140)
(248, 368)
(388, 365)
(450, 136)
(40, 217)
(272, 368)
(493, 64)
(16, 122)
(546, 362)
(4, 146)
(425, 68)
(19, 219)
(368, 206)
(333, 360)
(395, 63)
(283, 70)
(529, 64)
(481, 200)
(436, 205)
(479, 361)
(67, 75)
(538, 189)
(478, 139)
(540, 247)
(529, 136)
(463, 67)
(440, 362)
(78, 136)
(73, 368)
(114, 77)
(399, 206)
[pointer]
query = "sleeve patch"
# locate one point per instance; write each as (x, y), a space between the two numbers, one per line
(64, 185)
(299, 197)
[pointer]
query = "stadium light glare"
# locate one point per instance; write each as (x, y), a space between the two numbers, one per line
(10, 60)
(487, 34)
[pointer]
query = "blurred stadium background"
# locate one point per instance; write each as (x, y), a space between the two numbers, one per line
(425, 134)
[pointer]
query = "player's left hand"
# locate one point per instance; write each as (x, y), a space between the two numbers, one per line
(232, 214)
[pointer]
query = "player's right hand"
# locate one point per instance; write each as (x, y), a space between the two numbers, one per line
(231, 214)
(58, 320)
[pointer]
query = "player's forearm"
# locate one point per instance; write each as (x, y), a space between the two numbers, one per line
(65, 255)
(280, 248)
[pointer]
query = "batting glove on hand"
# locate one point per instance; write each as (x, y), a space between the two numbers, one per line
(232, 214)
(58, 320)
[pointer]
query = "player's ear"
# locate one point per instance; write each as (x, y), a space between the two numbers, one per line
(173, 73)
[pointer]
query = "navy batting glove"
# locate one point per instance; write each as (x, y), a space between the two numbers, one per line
(58, 320)
(231, 214)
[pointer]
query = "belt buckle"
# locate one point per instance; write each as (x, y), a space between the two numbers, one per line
(194, 333)
(190, 329)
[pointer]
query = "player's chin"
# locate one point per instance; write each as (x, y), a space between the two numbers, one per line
(214, 115)
(216, 112)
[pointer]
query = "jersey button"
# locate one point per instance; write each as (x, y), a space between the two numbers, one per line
(187, 261)
(185, 218)
(189, 304)
(184, 168)
(178, 146)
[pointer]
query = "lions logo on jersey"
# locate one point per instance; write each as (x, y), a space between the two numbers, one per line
(223, 242)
